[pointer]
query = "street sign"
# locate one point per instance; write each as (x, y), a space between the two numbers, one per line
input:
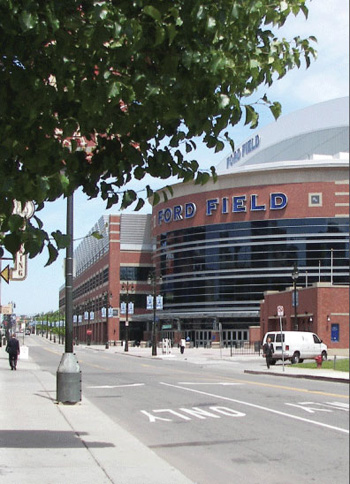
(5, 274)
(149, 302)
(123, 307)
(280, 310)
(19, 272)
(159, 302)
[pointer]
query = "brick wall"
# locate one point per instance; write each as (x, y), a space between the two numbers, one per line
(319, 306)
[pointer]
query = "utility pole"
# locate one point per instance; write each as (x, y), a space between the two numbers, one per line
(68, 372)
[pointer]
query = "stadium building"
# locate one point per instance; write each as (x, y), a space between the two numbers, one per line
(280, 203)
(281, 200)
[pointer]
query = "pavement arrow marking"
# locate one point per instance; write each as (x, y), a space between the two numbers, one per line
(260, 407)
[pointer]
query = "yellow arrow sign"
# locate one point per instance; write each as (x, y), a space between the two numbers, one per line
(5, 274)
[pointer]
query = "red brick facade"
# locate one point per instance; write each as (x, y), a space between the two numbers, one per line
(100, 286)
(333, 202)
(320, 308)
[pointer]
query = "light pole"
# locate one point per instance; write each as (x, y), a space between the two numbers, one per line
(105, 333)
(126, 289)
(295, 275)
(152, 279)
(68, 386)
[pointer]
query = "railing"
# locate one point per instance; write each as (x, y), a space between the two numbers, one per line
(235, 347)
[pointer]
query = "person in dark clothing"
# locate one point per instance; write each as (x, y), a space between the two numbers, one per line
(12, 348)
(268, 352)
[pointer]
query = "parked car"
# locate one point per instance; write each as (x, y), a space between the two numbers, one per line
(297, 346)
(28, 332)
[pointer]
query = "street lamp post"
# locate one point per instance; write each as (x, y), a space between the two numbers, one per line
(127, 288)
(152, 279)
(68, 386)
(108, 296)
(295, 275)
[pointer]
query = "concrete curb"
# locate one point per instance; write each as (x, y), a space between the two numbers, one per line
(301, 375)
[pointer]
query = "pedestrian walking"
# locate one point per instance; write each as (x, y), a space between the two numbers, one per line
(268, 352)
(12, 349)
(182, 345)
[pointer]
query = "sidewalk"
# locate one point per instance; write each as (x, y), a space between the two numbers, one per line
(41, 441)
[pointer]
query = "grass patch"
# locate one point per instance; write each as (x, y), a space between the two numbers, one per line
(340, 364)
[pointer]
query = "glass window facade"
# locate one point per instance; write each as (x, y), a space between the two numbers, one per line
(134, 273)
(228, 267)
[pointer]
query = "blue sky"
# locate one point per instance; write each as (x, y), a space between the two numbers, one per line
(327, 78)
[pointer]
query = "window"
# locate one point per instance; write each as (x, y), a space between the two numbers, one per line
(133, 273)
(335, 333)
(316, 339)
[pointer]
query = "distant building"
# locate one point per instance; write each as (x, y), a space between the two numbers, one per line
(123, 255)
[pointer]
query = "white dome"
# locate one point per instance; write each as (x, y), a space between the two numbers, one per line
(321, 129)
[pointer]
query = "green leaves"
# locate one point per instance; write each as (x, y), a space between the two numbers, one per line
(129, 197)
(27, 20)
(276, 109)
(137, 82)
(251, 117)
(152, 12)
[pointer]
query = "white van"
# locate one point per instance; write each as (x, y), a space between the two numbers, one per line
(297, 346)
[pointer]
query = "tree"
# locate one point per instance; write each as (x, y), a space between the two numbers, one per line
(136, 81)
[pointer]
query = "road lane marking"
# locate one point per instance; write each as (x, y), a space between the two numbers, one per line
(119, 386)
(208, 383)
(294, 389)
(259, 407)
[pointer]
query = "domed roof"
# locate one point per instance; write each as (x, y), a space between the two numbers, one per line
(317, 132)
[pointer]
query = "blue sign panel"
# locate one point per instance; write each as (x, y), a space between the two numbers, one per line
(335, 332)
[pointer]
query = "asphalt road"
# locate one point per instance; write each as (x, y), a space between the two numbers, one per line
(215, 423)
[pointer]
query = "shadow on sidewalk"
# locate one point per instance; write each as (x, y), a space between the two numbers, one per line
(46, 439)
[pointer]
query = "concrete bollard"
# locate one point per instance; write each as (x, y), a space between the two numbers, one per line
(68, 388)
